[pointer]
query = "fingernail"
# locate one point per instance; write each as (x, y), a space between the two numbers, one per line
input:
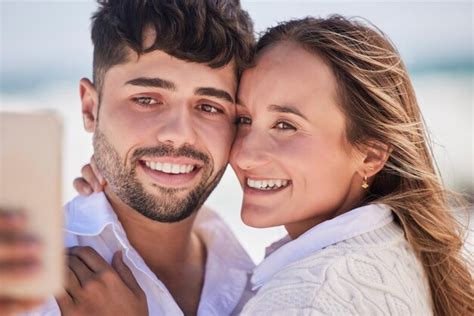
(101, 180)
(98, 187)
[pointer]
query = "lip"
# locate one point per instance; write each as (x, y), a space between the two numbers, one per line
(260, 177)
(166, 180)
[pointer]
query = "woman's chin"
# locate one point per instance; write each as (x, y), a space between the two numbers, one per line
(258, 217)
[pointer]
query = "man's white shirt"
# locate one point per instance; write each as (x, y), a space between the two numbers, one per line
(91, 221)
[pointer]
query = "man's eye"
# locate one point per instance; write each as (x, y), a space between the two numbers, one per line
(209, 108)
(146, 101)
(284, 126)
(243, 120)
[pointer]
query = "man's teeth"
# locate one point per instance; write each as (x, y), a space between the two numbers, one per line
(266, 184)
(169, 167)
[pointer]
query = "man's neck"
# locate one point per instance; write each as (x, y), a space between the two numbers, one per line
(171, 250)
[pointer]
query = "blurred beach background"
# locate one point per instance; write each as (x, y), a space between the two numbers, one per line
(45, 50)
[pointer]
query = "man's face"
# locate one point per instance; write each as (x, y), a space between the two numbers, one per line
(163, 132)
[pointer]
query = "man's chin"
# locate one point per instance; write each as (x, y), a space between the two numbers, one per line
(166, 210)
(162, 193)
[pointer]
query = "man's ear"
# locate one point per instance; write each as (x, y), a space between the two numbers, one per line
(374, 154)
(90, 104)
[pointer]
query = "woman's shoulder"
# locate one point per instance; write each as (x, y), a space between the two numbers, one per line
(369, 275)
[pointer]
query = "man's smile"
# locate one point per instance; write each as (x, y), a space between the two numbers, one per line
(170, 172)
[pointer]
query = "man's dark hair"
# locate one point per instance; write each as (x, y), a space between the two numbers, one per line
(213, 32)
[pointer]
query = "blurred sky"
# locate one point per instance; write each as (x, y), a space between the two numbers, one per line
(45, 41)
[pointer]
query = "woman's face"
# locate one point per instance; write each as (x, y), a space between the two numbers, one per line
(291, 155)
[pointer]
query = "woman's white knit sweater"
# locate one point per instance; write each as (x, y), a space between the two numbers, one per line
(375, 273)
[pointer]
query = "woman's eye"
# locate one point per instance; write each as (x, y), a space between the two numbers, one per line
(210, 108)
(146, 101)
(243, 120)
(284, 126)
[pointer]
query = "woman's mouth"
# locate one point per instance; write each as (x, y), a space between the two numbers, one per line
(266, 185)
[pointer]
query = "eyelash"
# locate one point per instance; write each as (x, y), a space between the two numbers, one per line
(215, 108)
(284, 125)
(287, 126)
(141, 101)
(238, 120)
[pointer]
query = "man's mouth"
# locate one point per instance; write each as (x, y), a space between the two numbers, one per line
(170, 167)
(171, 172)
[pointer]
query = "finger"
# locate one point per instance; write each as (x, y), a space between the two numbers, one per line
(125, 273)
(20, 258)
(16, 247)
(12, 221)
(73, 285)
(82, 187)
(10, 306)
(90, 177)
(80, 269)
(96, 172)
(65, 302)
(13, 271)
(90, 257)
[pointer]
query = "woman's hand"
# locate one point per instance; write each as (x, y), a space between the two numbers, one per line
(91, 180)
(19, 260)
(96, 288)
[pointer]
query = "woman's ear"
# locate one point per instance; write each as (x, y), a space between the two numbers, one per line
(90, 104)
(374, 154)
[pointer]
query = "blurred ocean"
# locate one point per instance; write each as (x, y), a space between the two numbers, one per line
(445, 98)
(45, 49)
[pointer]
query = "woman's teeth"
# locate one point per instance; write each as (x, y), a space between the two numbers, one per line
(267, 184)
(169, 167)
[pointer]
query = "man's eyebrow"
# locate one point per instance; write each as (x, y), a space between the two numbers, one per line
(213, 92)
(152, 82)
(286, 109)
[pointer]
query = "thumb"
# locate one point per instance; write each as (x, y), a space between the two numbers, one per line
(124, 272)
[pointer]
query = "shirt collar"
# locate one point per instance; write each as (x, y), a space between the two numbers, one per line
(345, 226)
(89, 215)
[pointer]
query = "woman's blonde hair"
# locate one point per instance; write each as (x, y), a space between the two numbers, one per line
(379, 103)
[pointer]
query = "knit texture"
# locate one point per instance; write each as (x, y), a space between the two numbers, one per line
(376, 273)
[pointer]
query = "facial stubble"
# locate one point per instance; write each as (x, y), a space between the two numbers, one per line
(164, 206)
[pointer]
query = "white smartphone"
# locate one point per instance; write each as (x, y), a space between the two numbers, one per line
(30, 181)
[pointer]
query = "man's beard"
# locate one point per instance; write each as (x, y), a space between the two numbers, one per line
(165, 206)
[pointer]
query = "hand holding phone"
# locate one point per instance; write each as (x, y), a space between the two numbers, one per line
(31, 238)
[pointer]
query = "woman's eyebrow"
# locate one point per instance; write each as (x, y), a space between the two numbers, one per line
(286, 109)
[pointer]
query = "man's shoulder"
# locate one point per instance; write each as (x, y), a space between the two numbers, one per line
(221, 241)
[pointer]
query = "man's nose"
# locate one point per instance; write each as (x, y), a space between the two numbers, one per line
(178, 127)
